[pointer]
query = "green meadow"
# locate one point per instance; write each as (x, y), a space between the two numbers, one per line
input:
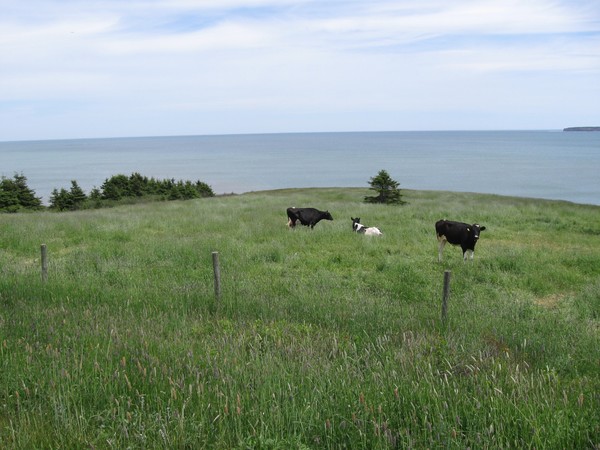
(319, 339)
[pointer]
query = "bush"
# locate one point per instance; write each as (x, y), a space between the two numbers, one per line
(136, 185)
(122, 188)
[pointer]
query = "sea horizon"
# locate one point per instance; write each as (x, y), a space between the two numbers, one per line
(548, 164)
(267, 133)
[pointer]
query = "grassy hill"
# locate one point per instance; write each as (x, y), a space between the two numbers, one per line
(321, 338)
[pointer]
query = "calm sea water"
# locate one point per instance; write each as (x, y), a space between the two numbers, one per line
(541, 164)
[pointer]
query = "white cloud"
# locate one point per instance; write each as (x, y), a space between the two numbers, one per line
(224, 36)
(285, 56)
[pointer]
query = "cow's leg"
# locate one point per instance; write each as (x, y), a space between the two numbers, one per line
(468, 254)
(442, 242)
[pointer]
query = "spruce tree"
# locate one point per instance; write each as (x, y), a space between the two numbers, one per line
(77, 195)
(59, 200)
(9, 200)
(387, 190)
(15, 195)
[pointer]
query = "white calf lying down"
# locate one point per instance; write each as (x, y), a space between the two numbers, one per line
(360, 228)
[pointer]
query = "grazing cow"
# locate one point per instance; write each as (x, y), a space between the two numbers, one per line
(457, 233)
(307, 216)
(360, 228)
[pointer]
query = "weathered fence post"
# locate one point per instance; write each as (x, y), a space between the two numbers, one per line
(44, 251)
(445, 295)
(217, 273)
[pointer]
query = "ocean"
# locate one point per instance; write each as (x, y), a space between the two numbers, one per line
(539, 164)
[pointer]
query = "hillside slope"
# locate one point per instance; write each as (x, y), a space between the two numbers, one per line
(320, 338)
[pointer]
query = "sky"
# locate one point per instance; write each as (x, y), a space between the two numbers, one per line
(115, 68)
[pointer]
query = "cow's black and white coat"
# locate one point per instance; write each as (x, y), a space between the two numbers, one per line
(307, 216)
(360, 228)
(458, 233)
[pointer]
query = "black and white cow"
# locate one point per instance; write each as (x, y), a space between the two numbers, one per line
(457, 233)
(360, 228)
(307, 216)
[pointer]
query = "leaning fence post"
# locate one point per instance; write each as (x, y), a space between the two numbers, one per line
(445, 295)
(44, 251)
(217, 273)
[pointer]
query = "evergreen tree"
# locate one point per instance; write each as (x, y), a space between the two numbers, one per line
(204, 189)
(59, 200)
(95, 194)
(96, 197)
(386, 188)
(116, 187)
(70, 200)
(77, 196)
(186, 190)
(15, 195)
(138, 185)
(9, 200)
(27, 198)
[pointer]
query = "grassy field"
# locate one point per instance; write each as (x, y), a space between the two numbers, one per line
(321, 338)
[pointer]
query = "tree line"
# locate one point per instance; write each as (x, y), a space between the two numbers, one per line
(15, 194)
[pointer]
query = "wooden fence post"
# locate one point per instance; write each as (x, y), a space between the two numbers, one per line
(446, 295)
(44, 251)
(217, 273)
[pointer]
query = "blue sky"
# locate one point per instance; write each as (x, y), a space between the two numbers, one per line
(107, 68)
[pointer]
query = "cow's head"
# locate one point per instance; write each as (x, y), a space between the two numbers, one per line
(355, 222)
(474, 231)
(327, 215)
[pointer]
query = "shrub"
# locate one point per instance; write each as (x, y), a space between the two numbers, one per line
(136, 185)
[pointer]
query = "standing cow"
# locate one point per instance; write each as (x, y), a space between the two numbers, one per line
(307, 216)
(457, 233)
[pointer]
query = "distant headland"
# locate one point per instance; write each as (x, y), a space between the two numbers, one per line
(582, 129)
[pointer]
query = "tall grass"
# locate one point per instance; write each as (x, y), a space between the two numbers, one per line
(321, 339)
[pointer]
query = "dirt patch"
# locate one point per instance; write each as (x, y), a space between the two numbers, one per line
(550, 301)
